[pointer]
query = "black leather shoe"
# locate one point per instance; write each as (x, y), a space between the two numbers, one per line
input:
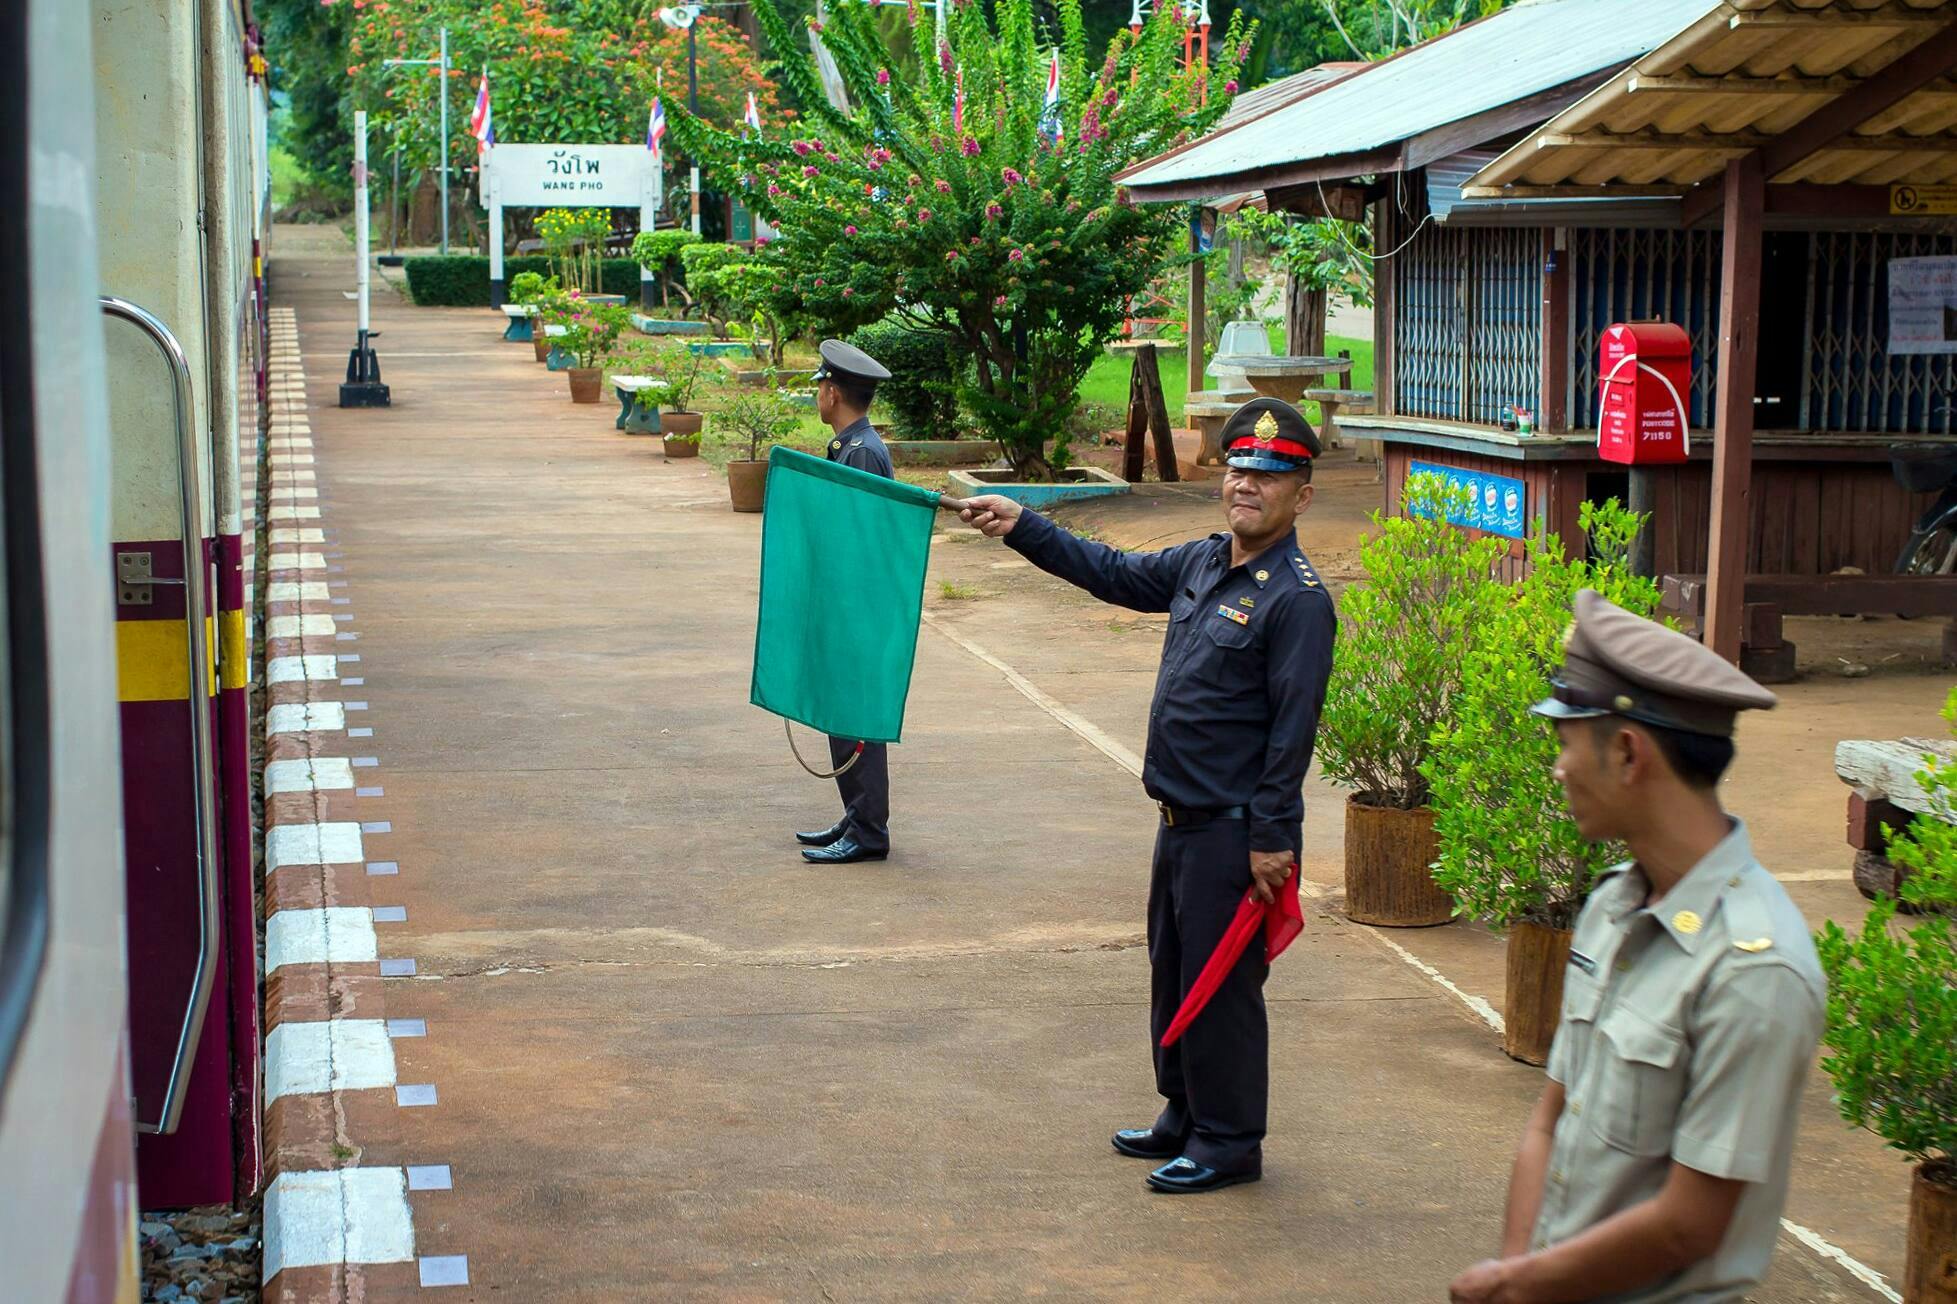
(1185, 1176)
(843, 851)
(831, 834)
(1143, 1143)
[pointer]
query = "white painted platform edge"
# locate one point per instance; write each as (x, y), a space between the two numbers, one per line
(328, 1055)
(335, 934)
(346, 1215)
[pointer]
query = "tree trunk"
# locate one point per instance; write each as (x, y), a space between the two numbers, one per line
(1304, 319)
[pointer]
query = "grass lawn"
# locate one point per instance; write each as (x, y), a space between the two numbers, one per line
(1107, 380)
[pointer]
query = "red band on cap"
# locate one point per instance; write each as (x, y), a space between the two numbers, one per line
(1289, 447)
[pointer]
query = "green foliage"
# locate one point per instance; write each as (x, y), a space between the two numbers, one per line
(462, 280)
(678, 366)
(987, 230)
(1324, 253)
(655, 251)
(704, 264)
(1509, 853)
(591, 330)
(306, 43)
(1405, 637)
(921, 395)
(759, 415)
(574, 239)
(532, 289)
(1892, 995)
(1374, 29)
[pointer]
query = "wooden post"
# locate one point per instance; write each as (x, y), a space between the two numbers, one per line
(1137, 427)
(1555, 401)
(1644, 502)
(1732, 457)
(1384, 237)
(1198, 303)
(1148, 414)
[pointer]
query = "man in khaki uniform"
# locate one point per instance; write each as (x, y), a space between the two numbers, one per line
(1655, 1166)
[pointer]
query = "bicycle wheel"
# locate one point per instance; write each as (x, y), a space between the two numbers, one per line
(1931, 553)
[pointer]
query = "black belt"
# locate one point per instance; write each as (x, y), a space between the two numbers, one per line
(1177, 817)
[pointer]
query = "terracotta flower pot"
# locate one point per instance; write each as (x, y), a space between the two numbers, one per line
(1388, 855)
(1533, 1005)
(586, 384)
(747, 485)
(682, 432)
(680, 445)
(541, 343)
(1930, 1261)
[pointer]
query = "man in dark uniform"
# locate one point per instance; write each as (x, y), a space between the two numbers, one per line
(1230, 734)
(846, 382)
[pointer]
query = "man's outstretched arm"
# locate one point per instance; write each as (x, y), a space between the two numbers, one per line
(1140, 581)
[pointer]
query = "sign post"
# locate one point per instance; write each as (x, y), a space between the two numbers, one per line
(363, 386)
(565, 176)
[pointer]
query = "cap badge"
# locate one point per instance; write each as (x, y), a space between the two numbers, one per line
(1265, 430)
(1622, 702)
(1687, 922)
(1756, 946)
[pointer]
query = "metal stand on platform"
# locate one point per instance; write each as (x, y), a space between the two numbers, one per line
(363, 387)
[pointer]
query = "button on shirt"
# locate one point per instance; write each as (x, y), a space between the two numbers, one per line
(1244, 666)
(1688, 1029)
(859, 445)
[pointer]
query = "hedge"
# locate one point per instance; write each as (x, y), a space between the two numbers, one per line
(921, 395)
(462, 280)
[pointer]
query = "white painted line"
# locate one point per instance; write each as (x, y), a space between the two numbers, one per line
(292, 491)
(306, 717)
(1483, 1010)
(287, 512)
(346, 1215)
(313, 774)
(335, 935)
(305, 1059)
(1862, 1272)
(292, 670)
(309, 534)
(291, 477)
(1819, 876)
(299, 627)
(286, 559)
(1090, 733)
(312, 844)
(297, 591)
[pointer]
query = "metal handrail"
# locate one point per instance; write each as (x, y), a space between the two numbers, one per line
(196, 571)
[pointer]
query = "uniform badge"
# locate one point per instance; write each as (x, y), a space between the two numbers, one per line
(1756, 946)
(1248, 602)
(1687, 922)
(1263, 575)
(1231, 613)
(835, 444)
(1583, 962)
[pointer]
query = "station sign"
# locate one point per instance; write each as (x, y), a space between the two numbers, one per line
(570, 176)
(1647, 372)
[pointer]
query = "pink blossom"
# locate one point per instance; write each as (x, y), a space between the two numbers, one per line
(1230, 87)
(993, 212)
(774, 191)
(969, 146)
(1016, 255)
(944, 57)
(951, 256)
(944, 187)
(811, 171)
(915, 181)
(883, 76)
(1109, 100)
(923, 214)
(819, 282)
(1012, 177)
(849, 230)
(848, 292)
(937, 144)
(831, 157)
(771, 169)
(801, 147)
(1243, 51)
(975, 242)
(999, 301)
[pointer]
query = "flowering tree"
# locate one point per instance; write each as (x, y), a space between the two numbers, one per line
(957, 205)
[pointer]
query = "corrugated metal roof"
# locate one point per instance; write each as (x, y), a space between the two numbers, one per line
(1533, 47)
(1446, 177)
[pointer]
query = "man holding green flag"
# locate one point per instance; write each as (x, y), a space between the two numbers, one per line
(1230, 735)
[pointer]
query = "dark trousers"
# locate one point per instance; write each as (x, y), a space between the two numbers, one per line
(1216, 1078)
(865, 788)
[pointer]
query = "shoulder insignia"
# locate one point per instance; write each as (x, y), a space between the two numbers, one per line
(856, 443)
(1756, 945)
(1305, 576)
(835, 444)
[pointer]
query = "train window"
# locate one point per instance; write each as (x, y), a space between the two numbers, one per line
(24, 686)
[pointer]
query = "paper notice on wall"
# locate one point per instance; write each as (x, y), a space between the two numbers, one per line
(1922, 305)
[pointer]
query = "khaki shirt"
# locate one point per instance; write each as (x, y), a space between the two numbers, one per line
(1688, 1030)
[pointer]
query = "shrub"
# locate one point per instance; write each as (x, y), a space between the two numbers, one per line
(704, 264)
(1892, 995)
(655, 251)
(921, 395)
(462, 280)
(1405, 636)
(591, 330)
(1509, 853)
(759, 416)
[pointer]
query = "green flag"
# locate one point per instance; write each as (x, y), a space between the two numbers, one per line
(842, 590)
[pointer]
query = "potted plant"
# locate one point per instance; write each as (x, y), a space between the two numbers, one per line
(680, 369)
(591, 331)
(1892, 1026)
(1428, 597)
(760, 416)
(535, 292)
(1509, 853)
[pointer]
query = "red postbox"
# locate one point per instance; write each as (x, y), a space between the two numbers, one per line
(1643, 400)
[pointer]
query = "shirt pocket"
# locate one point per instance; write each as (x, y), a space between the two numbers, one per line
(1640, 1082)
(1226, 633)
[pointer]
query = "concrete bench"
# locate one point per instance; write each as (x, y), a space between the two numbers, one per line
(1769, 657)
(1330, 401)
(520, 328)
(558, 359)
(1207, 410)
(1883, 793)
(632, 418)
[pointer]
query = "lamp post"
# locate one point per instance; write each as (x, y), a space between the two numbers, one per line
(442, 65)
(681, 18)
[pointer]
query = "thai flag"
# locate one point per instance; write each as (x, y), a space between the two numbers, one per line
(480, 125)
(958, 104)
(753, 115)
(1050, 115)
(656, 131)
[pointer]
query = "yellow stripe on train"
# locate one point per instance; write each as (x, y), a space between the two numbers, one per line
(152, 659)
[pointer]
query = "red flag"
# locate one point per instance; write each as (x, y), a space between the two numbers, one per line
(1281, 921)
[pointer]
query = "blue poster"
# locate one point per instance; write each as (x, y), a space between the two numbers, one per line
(1495, 504)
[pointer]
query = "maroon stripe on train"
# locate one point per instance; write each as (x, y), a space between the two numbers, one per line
(234, 816)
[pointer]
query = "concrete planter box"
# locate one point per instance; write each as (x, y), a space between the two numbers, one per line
(940, 452)
(663, 326)
(1074, 482)
(723, 348)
